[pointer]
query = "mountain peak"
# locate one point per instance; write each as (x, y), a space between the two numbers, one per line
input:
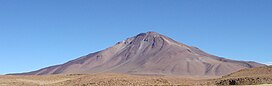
(152, 33)
(149, 33)
(150, 38)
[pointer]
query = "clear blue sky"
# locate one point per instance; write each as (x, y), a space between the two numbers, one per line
(40, 33)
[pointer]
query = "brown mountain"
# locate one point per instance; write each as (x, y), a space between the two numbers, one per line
(149, 53)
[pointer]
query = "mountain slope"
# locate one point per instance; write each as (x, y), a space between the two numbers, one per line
(149, 53)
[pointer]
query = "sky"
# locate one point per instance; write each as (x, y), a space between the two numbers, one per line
(40, 33)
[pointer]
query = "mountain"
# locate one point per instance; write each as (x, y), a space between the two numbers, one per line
(149, 53)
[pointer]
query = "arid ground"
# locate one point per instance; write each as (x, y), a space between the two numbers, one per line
(96, 79)
(119, 80)
(252, 76)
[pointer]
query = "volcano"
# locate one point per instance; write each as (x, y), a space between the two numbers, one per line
(149, 53)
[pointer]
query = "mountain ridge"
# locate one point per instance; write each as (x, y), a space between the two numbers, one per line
(149, 53)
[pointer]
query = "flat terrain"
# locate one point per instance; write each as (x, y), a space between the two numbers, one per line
(96, 79)
(125, 80)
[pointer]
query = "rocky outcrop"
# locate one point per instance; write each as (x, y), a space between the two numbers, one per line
(253, 76)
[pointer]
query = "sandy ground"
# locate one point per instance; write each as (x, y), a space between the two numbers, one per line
(34, 80)
(106, 80)
(97, 80)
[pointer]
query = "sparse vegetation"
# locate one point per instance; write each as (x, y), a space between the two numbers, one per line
(253, 76)
(96, 80)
